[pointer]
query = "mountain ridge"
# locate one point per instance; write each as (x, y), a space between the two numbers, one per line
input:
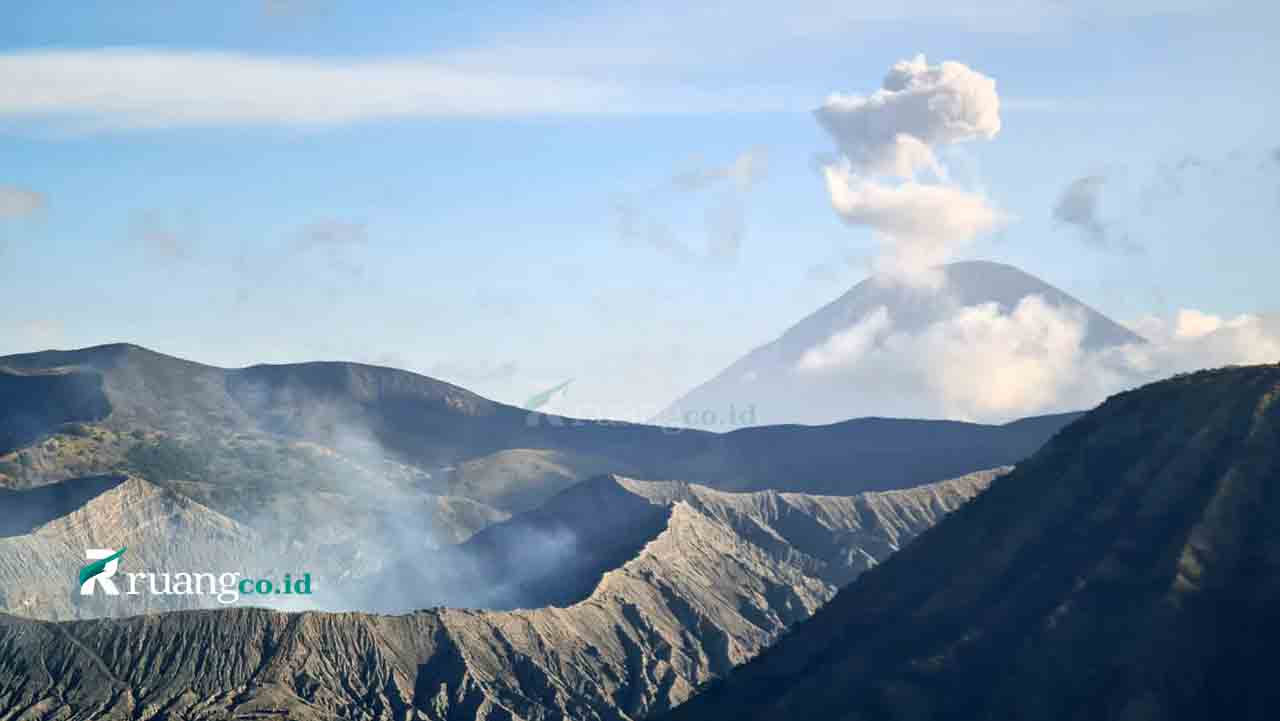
(179, 422)
(722, 579)
(1127, 570)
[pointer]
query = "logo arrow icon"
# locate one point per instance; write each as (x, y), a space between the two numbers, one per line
(98, 566)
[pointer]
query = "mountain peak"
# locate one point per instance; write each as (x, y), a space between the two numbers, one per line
(769, 380)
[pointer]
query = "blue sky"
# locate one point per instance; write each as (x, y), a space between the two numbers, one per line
(435, 187)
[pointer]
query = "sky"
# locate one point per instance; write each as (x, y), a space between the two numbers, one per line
(628, 197)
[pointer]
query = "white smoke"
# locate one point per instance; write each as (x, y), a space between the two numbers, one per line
(849, 345)
(889, 177)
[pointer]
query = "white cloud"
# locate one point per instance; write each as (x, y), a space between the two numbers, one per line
(614, 58)
(886, 139)
(976, 363)
(979, 363)
(919, 225)
(134, 88)
(676, 36)
(912, 212)
(1191, 323)
(18, 202)
(1195, 339)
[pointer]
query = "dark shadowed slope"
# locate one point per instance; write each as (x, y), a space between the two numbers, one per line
(766, 378)
(36, 403)
(347, 427)
(1130, 570)
(21, 512)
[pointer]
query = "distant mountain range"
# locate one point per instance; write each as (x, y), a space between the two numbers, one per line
(766, 381)
(367, 431)
(1128, 570)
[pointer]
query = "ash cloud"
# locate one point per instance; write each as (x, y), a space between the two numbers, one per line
(888, 176)
(1078, 207)
(919, 107)
(639, 222)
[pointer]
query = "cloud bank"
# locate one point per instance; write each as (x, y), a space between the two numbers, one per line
(889, 177)
(123, 88)
(982, 364)
(671, 37)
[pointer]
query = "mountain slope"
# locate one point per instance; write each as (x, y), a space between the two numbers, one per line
(766, 379)
(236, 440)
(160, 529)
(1129, 570)
(723, 577)
(45, 531)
